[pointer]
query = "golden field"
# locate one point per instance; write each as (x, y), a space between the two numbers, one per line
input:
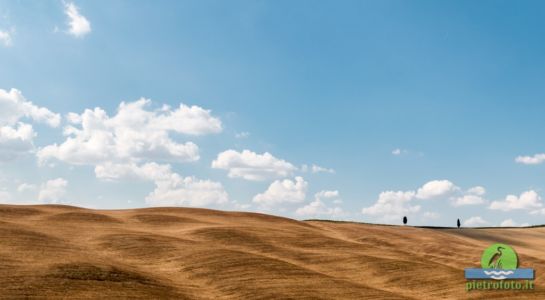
(53, 251)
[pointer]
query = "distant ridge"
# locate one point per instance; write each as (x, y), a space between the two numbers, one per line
(425, 226)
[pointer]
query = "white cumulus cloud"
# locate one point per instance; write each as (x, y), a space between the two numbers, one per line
(252, 166)
(14, 107)
(15, 141)
(392, 205)
(477, 190)
(475, 222)
(436, 188)
(327, 194)
(53, 190)
(319, 207)
(526, 201)
(511, 223)
(190, 191)
(473, 196)
(171, 189)
(531, 160)
(468, 200)
(149, 171)
(5, 38)
(23, 187)
(78, 25)
(134, 134)
(283, 191)
(128, 144)
(396, 151)
(16, 136)
(242, 135)
(318, 169)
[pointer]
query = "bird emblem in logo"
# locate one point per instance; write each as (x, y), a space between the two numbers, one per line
(501, 258)
(499, 262)
(495, 261)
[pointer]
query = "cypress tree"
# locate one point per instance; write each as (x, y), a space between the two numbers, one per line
(405, 220)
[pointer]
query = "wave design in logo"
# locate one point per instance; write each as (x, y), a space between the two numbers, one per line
(498, 275)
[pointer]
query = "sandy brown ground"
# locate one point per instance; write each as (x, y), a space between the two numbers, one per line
(154, 253)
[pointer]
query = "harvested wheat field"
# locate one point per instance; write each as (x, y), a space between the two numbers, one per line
(182, 253)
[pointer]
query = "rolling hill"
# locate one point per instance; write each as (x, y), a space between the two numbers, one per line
(184, 253)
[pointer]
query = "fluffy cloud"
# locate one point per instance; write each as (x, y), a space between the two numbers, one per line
(318, 169)
(436, 188)
(180, 191)
(171, 189)
(475, 222)
(150, 171)
(78, 24)
(16, 137)
(283, 191)
(191, 120)
(527, 200)
(392, 205)
(13, 107)
(473, 196)
(242, 135)
(252, 166)
(53, 190)
(15, 141)
(531, 160)
(320, 207)
(399, 152)
(317, 208)
(477, 190)
(134, 134)
(511, 223)
(125, 145)
(327, 194)
(468, 200)
(5, 38)
(23, 187)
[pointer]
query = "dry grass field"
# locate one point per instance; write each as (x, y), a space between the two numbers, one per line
(181, 253)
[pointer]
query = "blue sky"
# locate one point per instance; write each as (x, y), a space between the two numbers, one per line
(417, 108)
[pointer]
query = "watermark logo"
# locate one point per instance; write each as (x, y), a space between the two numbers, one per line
(500, 263)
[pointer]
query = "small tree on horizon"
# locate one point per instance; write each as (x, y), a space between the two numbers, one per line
(405, 220)
(458, 223)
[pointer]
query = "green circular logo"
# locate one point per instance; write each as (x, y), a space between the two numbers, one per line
(499, 256)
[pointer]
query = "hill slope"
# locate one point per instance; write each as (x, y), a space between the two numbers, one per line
(63, 251)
